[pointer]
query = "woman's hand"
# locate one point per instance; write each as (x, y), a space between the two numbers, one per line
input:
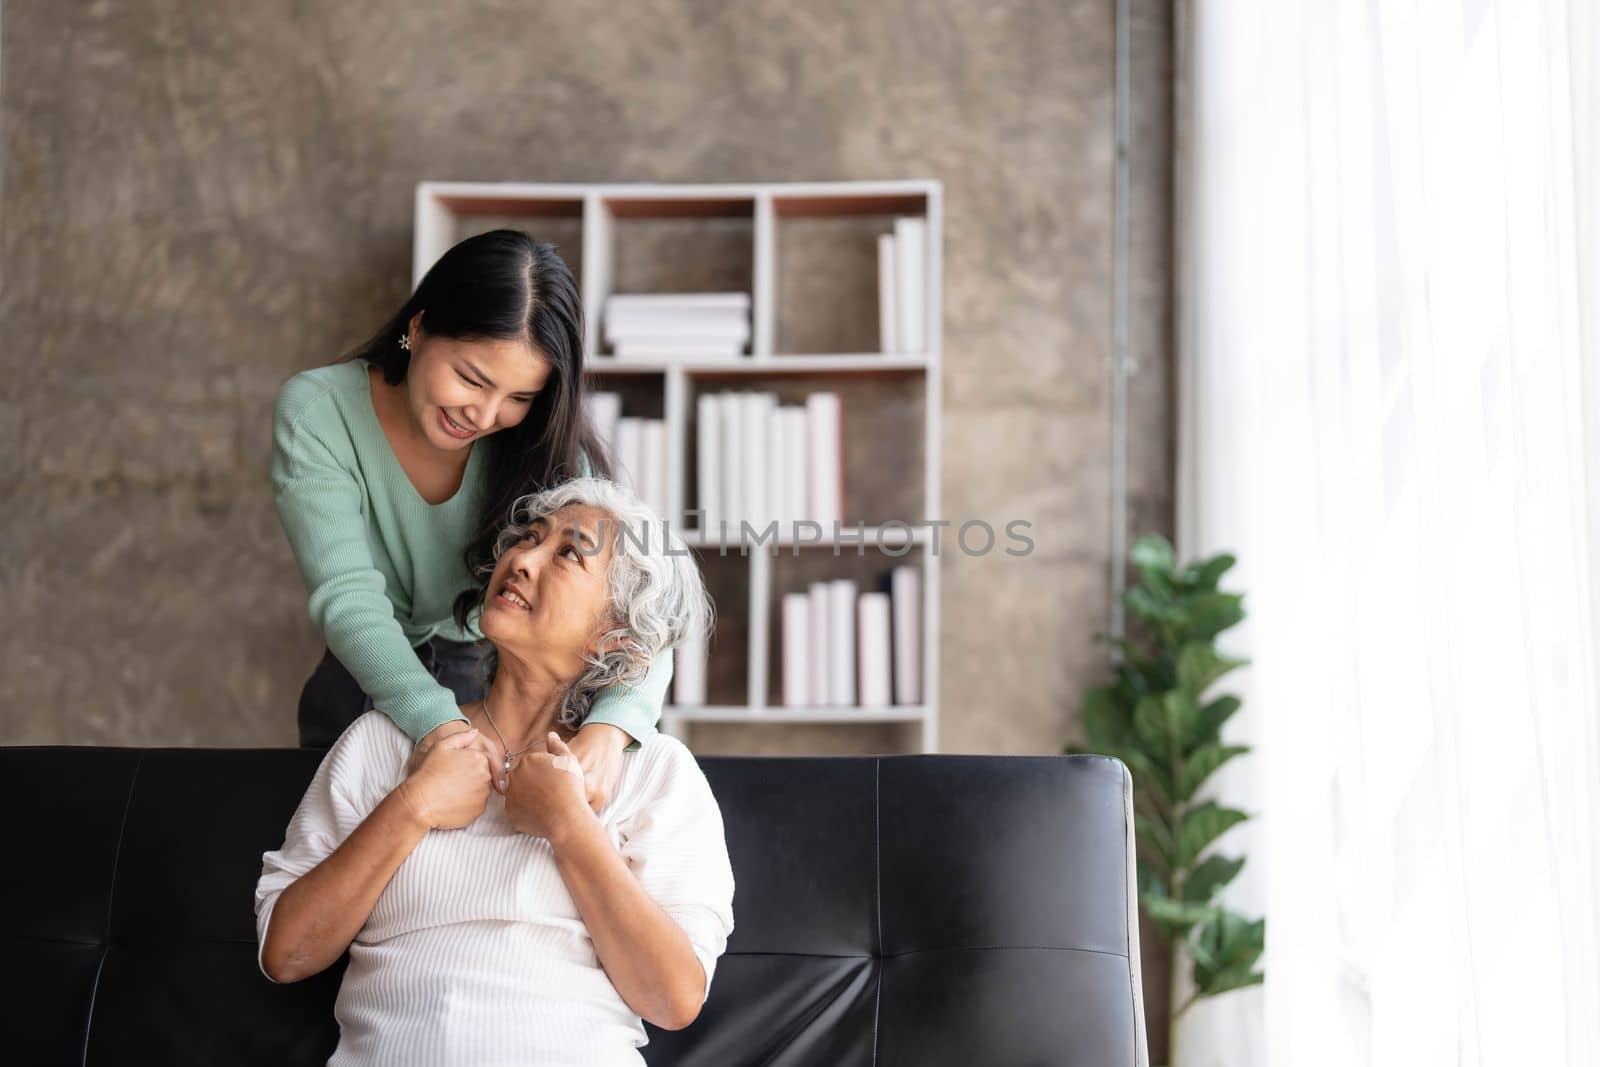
(433, 737)
(545, 793)
(598, 746)
(450, 787)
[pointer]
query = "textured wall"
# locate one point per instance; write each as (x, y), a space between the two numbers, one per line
(201, 199)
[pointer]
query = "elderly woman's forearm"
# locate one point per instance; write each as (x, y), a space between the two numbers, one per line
(320, 913)
(645, 953)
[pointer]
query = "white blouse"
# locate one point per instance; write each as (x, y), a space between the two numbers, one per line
(475, 952)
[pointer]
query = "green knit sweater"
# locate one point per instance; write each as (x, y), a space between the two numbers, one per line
(382, 565)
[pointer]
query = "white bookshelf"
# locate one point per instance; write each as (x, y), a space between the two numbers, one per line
(442, 209)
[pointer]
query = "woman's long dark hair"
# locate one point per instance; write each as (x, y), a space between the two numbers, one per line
(504, 285)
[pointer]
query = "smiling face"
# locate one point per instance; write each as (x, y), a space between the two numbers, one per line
(460, 390)
(550, 593)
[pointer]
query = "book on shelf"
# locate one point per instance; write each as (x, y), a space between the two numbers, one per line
(708, 446)
(759, 462)
(902, 292)
(841, 642)
(637, 446)
(796, 662)
(754, 411)
(605, 408)
(689, 671)
(872, 650)
(905, 596)
(824, 460)
(817, 612)
(677, 325)
(685, 348)
(653, 461)
(844, 648)
(910, 239)
(888, 306)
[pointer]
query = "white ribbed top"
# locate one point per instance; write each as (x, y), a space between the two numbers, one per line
(475, 952)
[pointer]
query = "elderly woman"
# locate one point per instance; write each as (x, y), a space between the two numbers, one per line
(491, 915)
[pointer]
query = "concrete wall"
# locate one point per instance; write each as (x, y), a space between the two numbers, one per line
(201, 199)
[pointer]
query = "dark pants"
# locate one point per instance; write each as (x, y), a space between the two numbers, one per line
(332, 699)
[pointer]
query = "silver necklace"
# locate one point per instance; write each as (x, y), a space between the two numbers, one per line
(510, 755)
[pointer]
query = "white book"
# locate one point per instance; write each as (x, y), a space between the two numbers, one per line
(777, 471)
(665, 325)
(821, 676)
(605, 408)
(796, 649)
(630, 451)
(733, 455)
(626, 302)
(689, 671)
(824, 469)
(756, 408)
(678, 348)
(842, 642)
(708, 459)
(653, 488)
(905, 589)
(872, 649)
(910, 235)
(794, 453)
(888, 306)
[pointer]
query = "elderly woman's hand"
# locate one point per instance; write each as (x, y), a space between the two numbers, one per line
(545, 792)
(598, 746)
(450, 787)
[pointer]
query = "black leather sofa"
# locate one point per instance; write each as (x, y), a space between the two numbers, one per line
(916, 910)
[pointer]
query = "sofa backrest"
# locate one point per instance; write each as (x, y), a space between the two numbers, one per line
(894, 910)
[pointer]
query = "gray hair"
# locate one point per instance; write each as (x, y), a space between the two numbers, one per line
(658, 598)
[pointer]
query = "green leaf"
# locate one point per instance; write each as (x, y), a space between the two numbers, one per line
(1225, 950)
(1208, 614)
(1182, 717)
(1148, 775)
(1200, 665)
(1105, 723)
(1155, 834)
(1227, 980)
(1208, 876)
(1201, 764)
(1150, 723)
(1202, 825)
(1151, 881)
(1213, 715)
(1205, 574)
(1152, 607)
(1152, 552)
(1176, 917)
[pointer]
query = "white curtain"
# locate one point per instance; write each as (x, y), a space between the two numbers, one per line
(1389, 302)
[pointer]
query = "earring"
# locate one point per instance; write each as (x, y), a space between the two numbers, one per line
(405, 341)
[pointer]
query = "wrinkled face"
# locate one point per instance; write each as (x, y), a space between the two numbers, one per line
(463, 390)
(548, 597)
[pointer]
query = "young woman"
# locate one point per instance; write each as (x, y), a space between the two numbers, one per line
(394, 469)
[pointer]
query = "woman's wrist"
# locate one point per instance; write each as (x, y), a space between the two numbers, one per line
(571, 826)
(442, 731)
(409, 807)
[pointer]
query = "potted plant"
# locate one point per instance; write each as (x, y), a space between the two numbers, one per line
(1157, 719)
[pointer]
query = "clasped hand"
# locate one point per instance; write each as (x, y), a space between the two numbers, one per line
(448, 784)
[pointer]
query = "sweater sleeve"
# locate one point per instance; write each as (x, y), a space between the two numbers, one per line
(635, 709)
(322, 508)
